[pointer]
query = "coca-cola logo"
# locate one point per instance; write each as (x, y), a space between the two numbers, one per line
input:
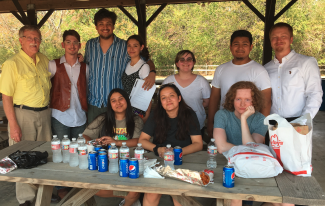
(275, 142)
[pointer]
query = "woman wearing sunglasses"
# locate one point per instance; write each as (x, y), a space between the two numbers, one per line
(195, 89)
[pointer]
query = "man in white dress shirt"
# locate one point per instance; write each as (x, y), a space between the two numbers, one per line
(69, 89)
(295, 78)
(240, 68)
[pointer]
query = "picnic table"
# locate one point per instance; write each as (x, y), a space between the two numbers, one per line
(283, 188)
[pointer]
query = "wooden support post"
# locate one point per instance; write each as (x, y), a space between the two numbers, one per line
(141, 10)
(45, 18)
(44, 195)
(185, 200)
(21, 11)
(81, 197)
(32, 14)
(269, 22)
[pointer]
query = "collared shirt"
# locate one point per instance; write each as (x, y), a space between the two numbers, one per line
(105, 69)
(74, 116)
(296, 85)
(27, 83)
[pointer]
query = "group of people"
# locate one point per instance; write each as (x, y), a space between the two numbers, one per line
(90, 95)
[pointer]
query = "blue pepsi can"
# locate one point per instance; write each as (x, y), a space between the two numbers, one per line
(133, 168)
(124, 167)
(228, 176)
(178, 155)
(102, 162)
(92, 160)
(98, 147)
(109, 146)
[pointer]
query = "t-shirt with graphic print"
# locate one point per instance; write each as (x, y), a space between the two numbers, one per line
(94, 129)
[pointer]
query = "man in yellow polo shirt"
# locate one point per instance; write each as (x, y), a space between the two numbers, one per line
(25, 87)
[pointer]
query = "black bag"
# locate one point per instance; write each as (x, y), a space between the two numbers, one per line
(29, 159)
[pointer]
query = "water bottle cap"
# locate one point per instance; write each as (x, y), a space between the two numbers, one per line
(55, 136)
(139, 144)
(80, 135)
(168, 146)
(113, 144)
(212, 139)
(123, 143)
(65, 136)
(73, 139)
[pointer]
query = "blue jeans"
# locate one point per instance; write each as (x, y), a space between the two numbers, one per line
(60, 129)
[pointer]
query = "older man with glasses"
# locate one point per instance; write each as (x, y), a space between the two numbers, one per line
(25, 88)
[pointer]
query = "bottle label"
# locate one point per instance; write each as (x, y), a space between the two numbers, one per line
(82, 152)
(125, 155)
(212, 150)
(73, 150)
(65, 147)
(138, 156)
(55, 146)
(168, 157)
(113, 155)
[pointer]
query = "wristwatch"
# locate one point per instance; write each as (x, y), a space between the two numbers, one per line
(154, 71)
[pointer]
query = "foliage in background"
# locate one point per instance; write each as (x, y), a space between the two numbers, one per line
(204, 29)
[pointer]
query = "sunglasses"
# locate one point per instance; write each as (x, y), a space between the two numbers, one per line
(190, 59)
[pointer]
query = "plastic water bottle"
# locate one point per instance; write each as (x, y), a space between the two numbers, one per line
(212, 151)
(169, 157)
(83, 156)
(73, 150)
(113, 159)
(81, 139)
(138, 153)
(124, 151)
(56, 149)
(65, 148)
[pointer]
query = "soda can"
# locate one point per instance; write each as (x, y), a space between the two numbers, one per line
(133, 168)
(124, 167)
(98, 147)
(92, 160)
(228, 176)
(178, 155)
(102, 151)
(102, 162)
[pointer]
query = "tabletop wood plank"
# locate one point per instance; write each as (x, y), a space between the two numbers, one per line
(300, 190)
(107, 181)
(22, 146)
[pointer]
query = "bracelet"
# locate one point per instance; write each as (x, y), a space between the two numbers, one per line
(155, 150)
(154, 71)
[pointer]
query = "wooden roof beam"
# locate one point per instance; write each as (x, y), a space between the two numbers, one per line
(15, 13)
(249, 5)
(154, 15)
(288, 6)
(128, 15)
(21, 11)
(45, 18)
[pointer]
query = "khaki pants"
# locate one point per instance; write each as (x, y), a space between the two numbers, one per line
(35, 126)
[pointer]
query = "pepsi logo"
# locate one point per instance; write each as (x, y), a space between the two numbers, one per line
(233, 175)
(180, 155)
(132, 168)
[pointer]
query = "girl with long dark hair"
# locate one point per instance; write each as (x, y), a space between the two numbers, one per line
(117, 125)
(172, 122)
(137, 68)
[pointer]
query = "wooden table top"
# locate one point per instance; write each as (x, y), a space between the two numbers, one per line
(61, 174)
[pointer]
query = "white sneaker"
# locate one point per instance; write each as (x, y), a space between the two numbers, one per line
(136, 203)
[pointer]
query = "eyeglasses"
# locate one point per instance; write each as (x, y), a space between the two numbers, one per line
(74, 43)
(186, 60)
(30, 39)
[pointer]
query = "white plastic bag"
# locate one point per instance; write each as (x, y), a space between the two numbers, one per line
(253, 160)
(292, 150)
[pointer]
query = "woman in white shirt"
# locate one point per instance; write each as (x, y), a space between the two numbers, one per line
(195, 89)
(137, 68)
